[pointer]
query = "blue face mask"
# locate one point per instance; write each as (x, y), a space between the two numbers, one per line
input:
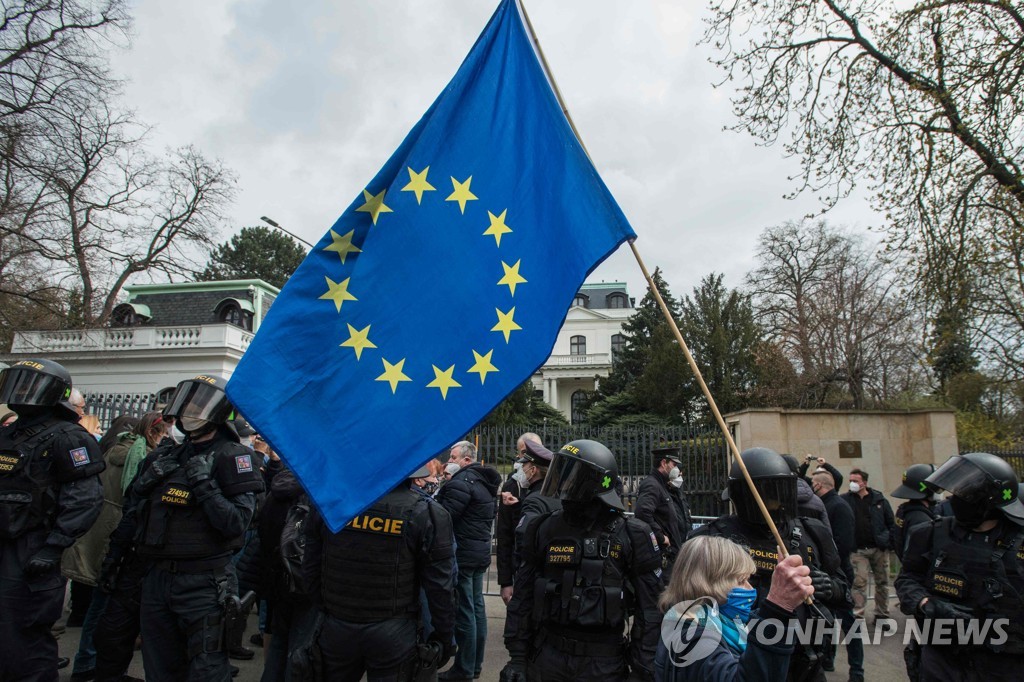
(738, 604)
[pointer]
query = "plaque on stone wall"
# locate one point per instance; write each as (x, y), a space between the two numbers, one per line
(849, 449)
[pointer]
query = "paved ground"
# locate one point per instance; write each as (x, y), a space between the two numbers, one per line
(883, 661)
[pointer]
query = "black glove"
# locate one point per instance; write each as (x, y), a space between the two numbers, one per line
(824, 586)
(513, 672)
(199, 468)
(161, 468)
(447, 647)
(108, 574)
(45, 560)
(937, 608)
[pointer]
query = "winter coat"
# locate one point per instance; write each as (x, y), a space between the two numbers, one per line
(654, 506)
(82, 561)
(469, 497)
(882, 520)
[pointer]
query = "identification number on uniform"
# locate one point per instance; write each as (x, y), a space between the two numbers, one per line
(563, 553)
(7, 463)
(79, 457)
(178, 496)
(948, 584)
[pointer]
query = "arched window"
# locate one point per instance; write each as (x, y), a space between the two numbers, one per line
(617, 300)
(581, 300)
(129, 315)
(235, 312)
(578, 400)
(618, 344)
(578, 345)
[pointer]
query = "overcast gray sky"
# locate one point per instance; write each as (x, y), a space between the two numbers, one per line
(306, 100)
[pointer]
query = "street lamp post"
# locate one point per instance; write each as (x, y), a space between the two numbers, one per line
(273, 223)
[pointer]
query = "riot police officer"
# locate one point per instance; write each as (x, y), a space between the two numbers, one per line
(50, 495)
(367, 578)
(585, 569)
(195, 501)
(970, 566)
(919, 507)
(776, 484)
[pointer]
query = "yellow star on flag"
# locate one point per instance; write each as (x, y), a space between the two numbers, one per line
(483, 365)
(393, 374)
(374, 205)
(498, 227)
(342, 244)
(443, 380)
(461, 193)
(418, 183)
(338, 292)
(359, 340)
(512, 276)
(506, 324)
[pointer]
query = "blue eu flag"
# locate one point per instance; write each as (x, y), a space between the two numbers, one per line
(439, 290)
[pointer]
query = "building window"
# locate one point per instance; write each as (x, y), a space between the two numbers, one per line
(578, 345)
(229, 312)
(579, 399)
(618, 344)
(129, 315)
(617, 300)
(580, 300)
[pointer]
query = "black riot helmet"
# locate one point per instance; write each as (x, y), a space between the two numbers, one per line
(581, 471)
(979, 478)
(202, 397)
(775, 483)
(913, 486)
(34, 383)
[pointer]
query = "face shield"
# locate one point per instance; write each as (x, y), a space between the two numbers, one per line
(575, 480)
(778, 495)
(199, 400)
(21, 386)
(964, 479)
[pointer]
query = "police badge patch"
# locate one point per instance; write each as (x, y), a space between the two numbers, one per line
(243, 463)
(79, 457)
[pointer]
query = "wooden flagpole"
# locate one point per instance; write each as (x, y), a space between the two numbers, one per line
(664, 308)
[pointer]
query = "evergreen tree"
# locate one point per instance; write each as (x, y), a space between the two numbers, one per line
(255, 253)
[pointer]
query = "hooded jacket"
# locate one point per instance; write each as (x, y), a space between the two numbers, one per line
(470, 500)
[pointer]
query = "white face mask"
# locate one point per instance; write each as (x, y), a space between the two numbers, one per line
(176, 435)
(673, 472)
(521, 478)
(517, 466)
(451, 468)
(854, 487)
(677, 482)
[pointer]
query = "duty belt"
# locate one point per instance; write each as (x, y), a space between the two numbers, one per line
(577, 647)
(192, 565)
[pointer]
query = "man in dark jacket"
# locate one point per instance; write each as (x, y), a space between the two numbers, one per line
(469, 497)
(873, 526)
(654, 504)
(840, 518)
(510, 509)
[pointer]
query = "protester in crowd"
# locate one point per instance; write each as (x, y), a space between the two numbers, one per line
(967, 569)
(840, 518)
(122, 424)
(48, 502)
(425, 482)
(469, 497)
(874, 524)
(654, 504)
(709, 598)
(83, 560)
(510, 510)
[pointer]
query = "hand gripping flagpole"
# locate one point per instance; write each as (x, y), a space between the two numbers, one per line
(664, 308)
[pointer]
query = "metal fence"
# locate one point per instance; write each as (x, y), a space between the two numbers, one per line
(1014, 456)
(109, 406)
(704, 466)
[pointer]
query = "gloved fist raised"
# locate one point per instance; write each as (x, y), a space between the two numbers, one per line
(45, 560)
(937, 608)
(199, 468)
(161, 468)
(824, 586)
(513, 672)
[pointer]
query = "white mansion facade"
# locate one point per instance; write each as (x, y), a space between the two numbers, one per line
(165, 333)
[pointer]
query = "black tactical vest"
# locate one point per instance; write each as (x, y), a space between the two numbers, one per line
(914, 512)
(582, 574)
(173, 525)
(369, 567)
(28, 478)
(986, 580)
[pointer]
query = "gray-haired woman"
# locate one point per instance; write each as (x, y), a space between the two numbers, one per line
(709, 631)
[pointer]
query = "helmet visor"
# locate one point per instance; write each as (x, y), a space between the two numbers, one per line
(20, 386)
(570, 478)
(778, 495)
(199, 400)
(964, 479)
